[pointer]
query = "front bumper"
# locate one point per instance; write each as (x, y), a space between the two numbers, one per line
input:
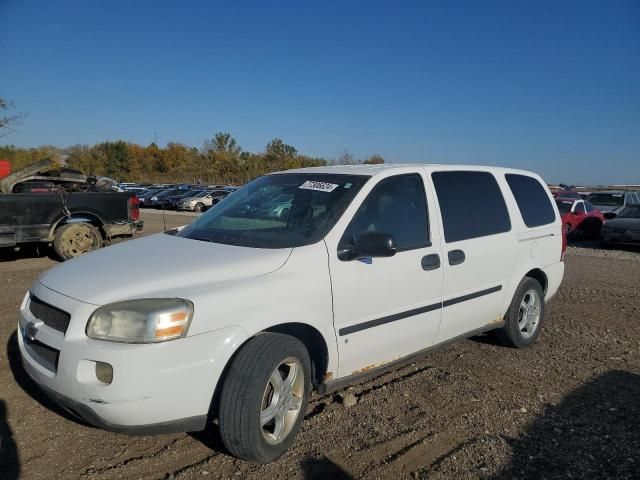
(627, 237)
(163, 387)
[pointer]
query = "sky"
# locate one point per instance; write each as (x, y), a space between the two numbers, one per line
(549, 86)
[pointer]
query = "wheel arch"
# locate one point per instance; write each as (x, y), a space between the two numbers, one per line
(541, 277)
(78, 217)
(311, 338)
(313, 341)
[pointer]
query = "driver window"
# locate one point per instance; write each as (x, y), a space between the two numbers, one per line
(396, 206)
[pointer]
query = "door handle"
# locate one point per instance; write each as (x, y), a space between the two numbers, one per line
(456, 257)
(430, 262)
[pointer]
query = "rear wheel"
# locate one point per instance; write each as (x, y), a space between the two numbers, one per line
(524, 318)
(75, 239)
(264, 397)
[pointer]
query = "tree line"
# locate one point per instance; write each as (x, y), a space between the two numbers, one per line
(220, 160)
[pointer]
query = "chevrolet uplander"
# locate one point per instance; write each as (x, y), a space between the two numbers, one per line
(301, 281)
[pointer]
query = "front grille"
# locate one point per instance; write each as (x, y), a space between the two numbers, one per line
(44, 354)
(51, 316)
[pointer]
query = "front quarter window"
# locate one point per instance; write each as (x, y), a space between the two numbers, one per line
(283, 210)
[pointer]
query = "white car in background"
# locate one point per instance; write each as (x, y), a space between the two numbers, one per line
(240, 315)
(202, 201)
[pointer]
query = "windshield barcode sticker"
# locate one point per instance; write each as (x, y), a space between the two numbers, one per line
(319, 186)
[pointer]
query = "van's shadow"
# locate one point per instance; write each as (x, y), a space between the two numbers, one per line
(9, 458)
(593, 433)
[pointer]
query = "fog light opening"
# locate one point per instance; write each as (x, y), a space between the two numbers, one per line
(104, 372)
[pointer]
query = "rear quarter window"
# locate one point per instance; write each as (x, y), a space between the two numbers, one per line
(532, 200)
(471, 204)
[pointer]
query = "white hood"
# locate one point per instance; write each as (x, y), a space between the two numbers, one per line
(156, 266)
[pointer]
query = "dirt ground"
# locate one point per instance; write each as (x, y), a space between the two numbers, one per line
(567, 408)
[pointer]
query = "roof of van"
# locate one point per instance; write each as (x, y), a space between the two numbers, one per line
(379, 168)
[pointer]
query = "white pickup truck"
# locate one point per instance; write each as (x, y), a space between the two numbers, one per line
(302, 280)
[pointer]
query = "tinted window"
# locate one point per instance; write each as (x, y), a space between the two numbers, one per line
(630, 212)
(532, 199)
(396, 206)
(564, 205)
(471, 205)
(579, 208)
(607, 199)
(278, 211)
(588, 206)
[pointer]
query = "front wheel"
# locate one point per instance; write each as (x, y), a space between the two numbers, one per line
(199, 207)
(523, 320)
(74, 239)
(264, 397)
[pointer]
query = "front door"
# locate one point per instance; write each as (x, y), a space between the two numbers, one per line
(387, 308)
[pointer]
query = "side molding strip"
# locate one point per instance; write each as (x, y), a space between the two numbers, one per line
(416, 311)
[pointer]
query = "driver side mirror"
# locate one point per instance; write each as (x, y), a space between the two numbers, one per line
(369, 244)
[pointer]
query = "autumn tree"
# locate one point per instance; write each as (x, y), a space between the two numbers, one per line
(8, 122)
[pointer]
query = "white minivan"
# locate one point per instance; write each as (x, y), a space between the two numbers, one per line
(302, 280)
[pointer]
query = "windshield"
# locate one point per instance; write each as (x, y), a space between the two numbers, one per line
(564, 206)
(278, 211)
(630, 212)
(607, 199)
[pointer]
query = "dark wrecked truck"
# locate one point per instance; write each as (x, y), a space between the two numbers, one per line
(44, 203)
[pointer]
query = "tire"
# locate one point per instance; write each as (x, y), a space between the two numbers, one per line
(518, 331)
(75, 239)
(568, 229)
(199, 207)
(249, 388)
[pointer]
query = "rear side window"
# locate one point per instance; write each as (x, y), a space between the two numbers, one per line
(532, 199)
(579, 208)
(588, 206)
(471, 205)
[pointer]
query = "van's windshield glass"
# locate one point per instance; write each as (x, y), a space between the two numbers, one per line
(278, 211)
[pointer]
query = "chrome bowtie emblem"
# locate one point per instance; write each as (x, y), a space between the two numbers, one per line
(31, 330)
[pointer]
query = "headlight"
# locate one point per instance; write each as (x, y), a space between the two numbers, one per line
(153, 199)
(146, 320)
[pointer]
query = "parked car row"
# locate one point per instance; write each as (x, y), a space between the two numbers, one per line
(618, 225)
(195, 198)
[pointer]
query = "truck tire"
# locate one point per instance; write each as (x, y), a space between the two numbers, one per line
(524, 318)
(264, 397)
(74, 239)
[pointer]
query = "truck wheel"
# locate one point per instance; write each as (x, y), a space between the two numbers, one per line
(74, 239)
(199, 207)
(264, 397)
(524, 317)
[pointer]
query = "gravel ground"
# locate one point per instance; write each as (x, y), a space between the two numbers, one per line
(567, 408)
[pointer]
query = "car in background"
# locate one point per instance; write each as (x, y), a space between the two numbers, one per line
(201, 201)
(579, 217)
(624, 229)
(145, 197)
(567, 193)
(611, 202)
(171, 202)
(155, 200)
